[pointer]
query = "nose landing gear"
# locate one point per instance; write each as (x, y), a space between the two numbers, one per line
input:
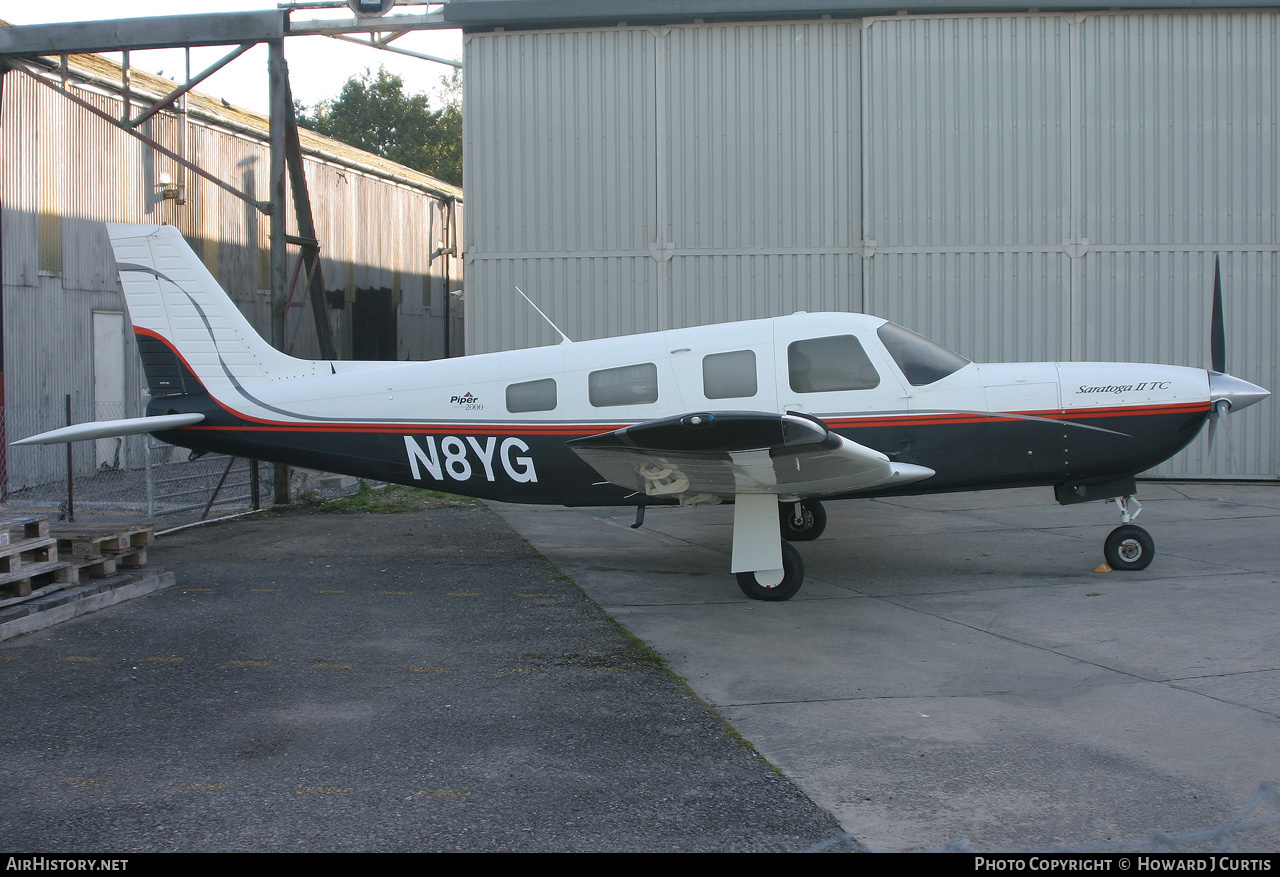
(1129, 547)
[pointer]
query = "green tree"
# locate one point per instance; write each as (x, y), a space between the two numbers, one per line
(373, 112)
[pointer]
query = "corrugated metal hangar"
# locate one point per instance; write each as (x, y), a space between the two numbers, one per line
(387, 235)
(1019, 185)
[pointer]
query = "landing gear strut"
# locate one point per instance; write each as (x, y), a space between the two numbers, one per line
(766, 567)
(1129, 547)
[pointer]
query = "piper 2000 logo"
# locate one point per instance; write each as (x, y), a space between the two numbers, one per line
(454, 457)
(468, 401)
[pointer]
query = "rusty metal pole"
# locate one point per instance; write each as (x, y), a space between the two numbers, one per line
(278, 73)
(71, 491)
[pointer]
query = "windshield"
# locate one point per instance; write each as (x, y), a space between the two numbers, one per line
(921, 360)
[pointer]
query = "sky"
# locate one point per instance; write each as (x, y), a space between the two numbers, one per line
(318, 66)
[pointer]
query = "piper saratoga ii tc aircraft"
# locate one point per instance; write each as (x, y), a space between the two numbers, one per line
(773, 415)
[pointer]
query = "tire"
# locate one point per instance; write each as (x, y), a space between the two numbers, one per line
(792, 579)
(1129, 547)
(814, 520)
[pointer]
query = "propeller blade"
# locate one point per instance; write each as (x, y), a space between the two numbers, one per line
(1217, 413)
(1217, 334)
(1218, 416)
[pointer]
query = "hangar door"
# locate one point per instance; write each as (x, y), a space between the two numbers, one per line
(1019, 187)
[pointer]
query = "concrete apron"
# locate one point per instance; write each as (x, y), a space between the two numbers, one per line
(954, 668)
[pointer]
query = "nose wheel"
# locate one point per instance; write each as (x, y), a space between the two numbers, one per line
(1129, 547)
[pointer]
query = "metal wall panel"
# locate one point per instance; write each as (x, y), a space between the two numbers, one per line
(1179, 123)
(759, 169)
(1019, 187)
(977, 303)
(700, 174)
(561, 128)
(966, 131)
(969, 181)
(65, 172)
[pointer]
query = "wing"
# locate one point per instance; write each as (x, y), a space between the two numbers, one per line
(717, 455)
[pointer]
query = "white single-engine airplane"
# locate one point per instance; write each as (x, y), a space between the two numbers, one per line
(773, 415)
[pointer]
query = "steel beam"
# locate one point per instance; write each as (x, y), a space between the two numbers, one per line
(397, 50)
(278, 72)
(323, 27)
(178, 92)
(307, 238)
(156, 32)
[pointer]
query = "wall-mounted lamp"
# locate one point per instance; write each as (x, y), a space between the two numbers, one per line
(169, 190)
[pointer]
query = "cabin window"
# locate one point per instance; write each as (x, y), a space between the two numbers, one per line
(532, 396)
(729, 375)
(922, 361)
(824, 365)
(628, 385)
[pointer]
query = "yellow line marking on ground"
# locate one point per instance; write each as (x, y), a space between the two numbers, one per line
(427, 669)
(188, 590)
(81, 659)
(464, 594)
(440, 793)
(265, 590)
(533, 595)
(396, 593)
(323, 790)
(202, 787)
(605, 670)
(318, 665)
(519, 670)
(328, 592)
(160, 660)
(9, 657)
(84, 782)
(248, 663)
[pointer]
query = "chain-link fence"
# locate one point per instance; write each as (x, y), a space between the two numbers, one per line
(129, 477)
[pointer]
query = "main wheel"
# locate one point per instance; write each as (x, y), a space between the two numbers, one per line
(813, 520)
(1129, 547)
(792, 579)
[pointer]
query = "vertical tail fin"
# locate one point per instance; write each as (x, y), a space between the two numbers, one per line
(187, 326)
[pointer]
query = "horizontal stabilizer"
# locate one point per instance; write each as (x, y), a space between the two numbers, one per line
(111, 428)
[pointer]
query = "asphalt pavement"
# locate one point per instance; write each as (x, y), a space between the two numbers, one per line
(356, 682)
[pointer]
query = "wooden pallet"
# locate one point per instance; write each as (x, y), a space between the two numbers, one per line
(32, 526)
(37, 554)
(32, 561)
(99, 540)
(107, 564)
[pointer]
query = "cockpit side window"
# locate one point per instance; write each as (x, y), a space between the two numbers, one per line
(823, 365)
(922, 361)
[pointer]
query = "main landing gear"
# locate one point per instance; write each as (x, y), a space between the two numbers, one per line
(1129, 547)
(767, 567)
(802, 521)
(769, 585)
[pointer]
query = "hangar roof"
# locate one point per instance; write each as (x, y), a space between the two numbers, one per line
(487, 14)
